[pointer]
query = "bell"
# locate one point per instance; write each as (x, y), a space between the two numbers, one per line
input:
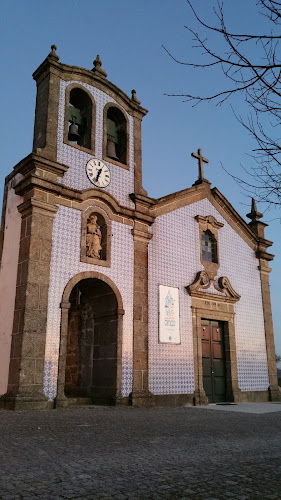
(73, 133)
(111, 150)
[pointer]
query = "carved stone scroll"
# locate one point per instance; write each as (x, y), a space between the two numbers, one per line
(203, 281)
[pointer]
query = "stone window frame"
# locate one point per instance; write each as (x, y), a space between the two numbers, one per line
(209, 223)
(92, 260)
(68, 89)
(126, 165)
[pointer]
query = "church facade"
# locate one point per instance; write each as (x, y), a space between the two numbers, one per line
(109, 296)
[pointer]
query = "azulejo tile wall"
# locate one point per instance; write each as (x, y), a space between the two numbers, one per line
(122, 182)
(174, 260)
(65, 263)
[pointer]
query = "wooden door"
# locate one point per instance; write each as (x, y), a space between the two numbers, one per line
(213, 360)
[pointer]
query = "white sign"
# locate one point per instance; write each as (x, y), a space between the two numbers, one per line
(169, 315)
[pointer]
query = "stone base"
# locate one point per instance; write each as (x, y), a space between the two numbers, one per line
(252, 397)
(235, 396)
(274, 393)
(174, 399)
(65, 402)
(200, 398)
(10, 402)
(142, 399)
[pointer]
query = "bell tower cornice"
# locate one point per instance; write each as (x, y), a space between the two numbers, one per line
(51, 65)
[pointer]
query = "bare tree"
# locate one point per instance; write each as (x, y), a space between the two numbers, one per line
(251, 65)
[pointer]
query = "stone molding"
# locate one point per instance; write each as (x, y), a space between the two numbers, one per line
(209, 223)
(107, 235)
(61, 399)
(214, 309)
(126, 165)
(68, 89)
(141, 236)
(27, 206)
(70, 73)
(204, 281)
(33, 161)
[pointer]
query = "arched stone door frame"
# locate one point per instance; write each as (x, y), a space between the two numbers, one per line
(61, 399)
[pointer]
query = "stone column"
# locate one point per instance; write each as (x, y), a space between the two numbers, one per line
(141, 396)
(25, 386)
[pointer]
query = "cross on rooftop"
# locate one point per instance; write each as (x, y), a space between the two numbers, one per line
(201, 161)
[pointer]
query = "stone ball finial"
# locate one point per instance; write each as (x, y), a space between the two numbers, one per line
(97, 67)
(254, 215)
(53, 53)
(134, 97)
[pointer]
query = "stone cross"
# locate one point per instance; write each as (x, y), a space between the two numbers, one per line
(201, 160)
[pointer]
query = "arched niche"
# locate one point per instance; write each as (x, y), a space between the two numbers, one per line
(96, 237)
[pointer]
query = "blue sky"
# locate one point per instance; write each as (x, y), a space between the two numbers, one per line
(128, 35)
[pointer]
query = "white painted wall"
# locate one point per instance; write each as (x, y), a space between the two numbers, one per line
(65, 263)
(174, 259)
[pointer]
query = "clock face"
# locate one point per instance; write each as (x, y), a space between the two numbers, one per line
(98, 173)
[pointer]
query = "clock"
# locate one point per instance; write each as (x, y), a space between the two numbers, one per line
(98, 173)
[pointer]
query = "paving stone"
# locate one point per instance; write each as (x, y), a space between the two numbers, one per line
(139, 454)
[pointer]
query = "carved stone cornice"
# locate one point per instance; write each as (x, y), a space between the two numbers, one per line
(203, 282)
(33, 161)
(141, 236)
(209, 220)
(51, 65)
(31, 204)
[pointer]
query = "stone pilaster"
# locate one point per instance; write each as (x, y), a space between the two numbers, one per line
(47, 104)
(258, 228)
(141, 396)
(274, 391)
(25, 385)
(138, 157)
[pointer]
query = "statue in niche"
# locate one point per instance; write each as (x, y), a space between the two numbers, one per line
(93, 238)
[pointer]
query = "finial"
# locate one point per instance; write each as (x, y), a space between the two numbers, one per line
(254, 215)
(97, 67)
(134, 97)
(53, 53)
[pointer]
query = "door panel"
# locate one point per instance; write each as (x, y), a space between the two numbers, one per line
(213, 360)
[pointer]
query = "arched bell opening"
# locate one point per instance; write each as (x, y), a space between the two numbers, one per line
(116, 135)
(92, 353)
(80, 118)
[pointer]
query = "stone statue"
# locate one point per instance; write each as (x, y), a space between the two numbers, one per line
(93, 238)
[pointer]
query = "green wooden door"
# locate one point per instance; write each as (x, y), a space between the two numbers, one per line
(213, 360)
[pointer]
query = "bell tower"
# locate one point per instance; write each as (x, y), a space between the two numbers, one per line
(80, 110)
(79, 212)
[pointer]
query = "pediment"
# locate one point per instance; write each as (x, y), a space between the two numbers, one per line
(205, 287)
(202, 191)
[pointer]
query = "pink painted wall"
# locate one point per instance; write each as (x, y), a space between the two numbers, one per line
(8, 279)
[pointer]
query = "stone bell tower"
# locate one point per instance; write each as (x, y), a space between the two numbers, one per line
(49, 198)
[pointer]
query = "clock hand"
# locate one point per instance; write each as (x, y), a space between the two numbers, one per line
(98, 174)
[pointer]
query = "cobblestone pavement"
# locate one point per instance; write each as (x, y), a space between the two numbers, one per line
(139, 454)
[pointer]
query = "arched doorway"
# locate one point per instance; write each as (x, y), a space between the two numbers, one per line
(90, 350)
